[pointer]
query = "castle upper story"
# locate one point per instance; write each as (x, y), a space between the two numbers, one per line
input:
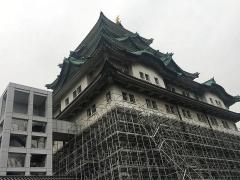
(111, 54)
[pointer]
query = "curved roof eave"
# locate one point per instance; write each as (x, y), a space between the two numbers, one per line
(169, 62)
(228, 99)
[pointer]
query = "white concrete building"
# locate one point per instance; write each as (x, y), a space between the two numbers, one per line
(25, 131)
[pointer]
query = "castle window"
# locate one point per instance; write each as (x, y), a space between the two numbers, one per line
(156, 80)
(66, 101)
(128, 97)
(147, 77)
(79, 89)
(74, 93)
(171, 89)
(225, 124)
(201, 117)
(170, 109)
(218, 103)
(151, 104)
(185, 93)
(131, 98)
(88, 112)
(154, 104)
(108, 96)
(144, 76)
(211, 100)
(148, 102)
(189, 114)
(214, 121)
(91, 110)
(235, 127)
(186, 113)
(124, 95)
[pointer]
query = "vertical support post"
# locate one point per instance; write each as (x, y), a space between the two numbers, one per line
(7, 120)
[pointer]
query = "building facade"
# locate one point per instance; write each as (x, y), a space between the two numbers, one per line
(132, 113)
(25, 131)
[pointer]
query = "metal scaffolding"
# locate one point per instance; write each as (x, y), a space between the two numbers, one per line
(37, 178)
(140, 144)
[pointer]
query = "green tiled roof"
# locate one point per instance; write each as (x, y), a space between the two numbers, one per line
(118, 36)
(220, 91)
(210, 82)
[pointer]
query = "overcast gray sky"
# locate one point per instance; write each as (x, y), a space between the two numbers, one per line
(204, 35)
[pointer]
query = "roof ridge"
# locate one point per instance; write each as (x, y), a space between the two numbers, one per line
(210, 82)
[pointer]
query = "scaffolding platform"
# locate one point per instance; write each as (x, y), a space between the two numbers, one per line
(128, 144)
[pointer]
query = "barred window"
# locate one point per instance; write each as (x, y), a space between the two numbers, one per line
(214, 121)
(132, 98)
(74, 93)
(124, 95)
(128, 97)
(108, 96)
(201, 117)
(79, 89)
(170, 109)
(141, 75)
(93, 109)
(225, 124)
(156, 80)
(148, 102)
(154, 104)
(66, 101)
(147, 77)
(186, 113)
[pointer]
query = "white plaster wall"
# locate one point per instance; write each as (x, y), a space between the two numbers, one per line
(136, 68)
(209, 95)
(102, 106)
(204, 98)
(81, 121)
(194, 119)
(179, 90)
(221, 128)
(83, 82)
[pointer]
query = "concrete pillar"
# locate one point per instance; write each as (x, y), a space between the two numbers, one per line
(7, 116)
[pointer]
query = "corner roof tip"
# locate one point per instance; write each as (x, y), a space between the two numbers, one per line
(210, 82)
(101, 14)
(237, 98)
